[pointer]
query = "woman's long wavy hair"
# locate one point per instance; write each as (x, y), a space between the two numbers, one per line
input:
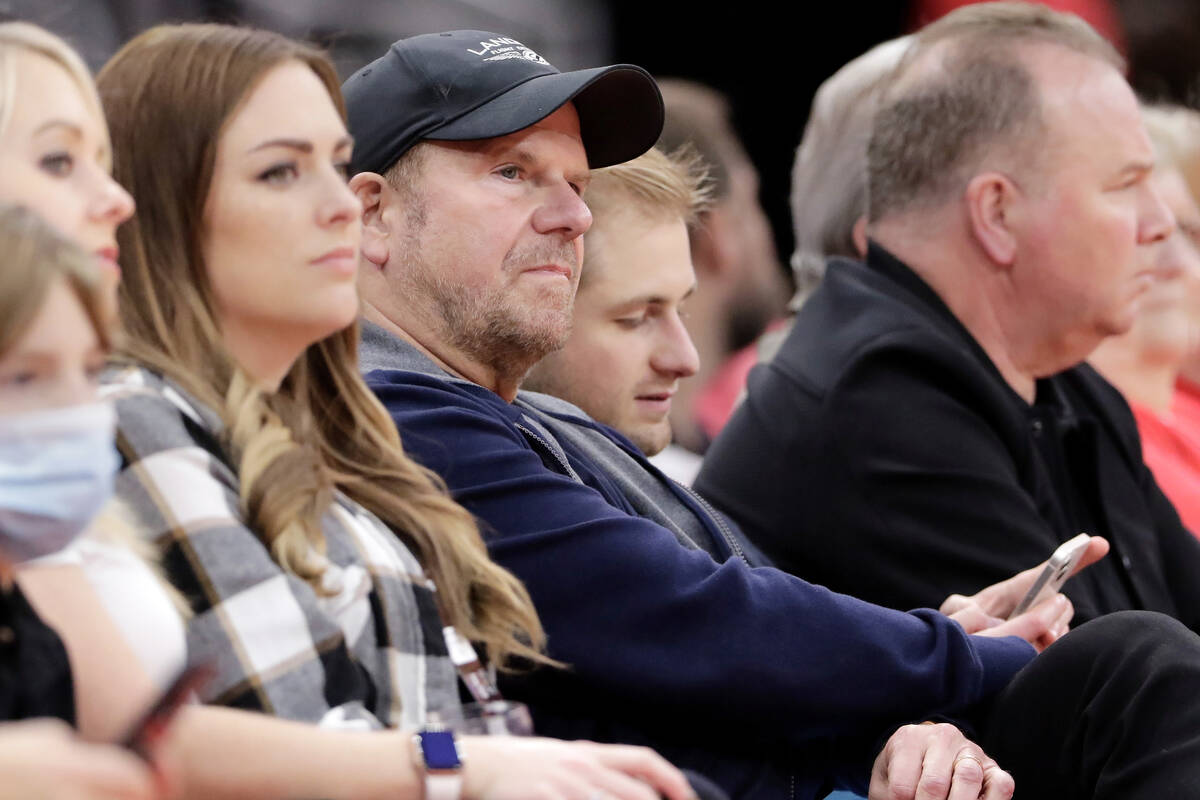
(168, 94)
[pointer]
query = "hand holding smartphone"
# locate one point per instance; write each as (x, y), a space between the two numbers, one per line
(1052, 577)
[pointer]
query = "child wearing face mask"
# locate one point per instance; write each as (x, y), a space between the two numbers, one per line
(57, 463)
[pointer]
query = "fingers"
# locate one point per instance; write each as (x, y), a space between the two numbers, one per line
(952, 769)
(612, 784)
(936, 762)
(918, 764)
(504, 768)
(966, 775)
(973, 619)
(1041, 625)
(1060, 623)
(115, 773)
(647, 766)
(955, 602)
(997, 784)
(1096, 550)
(937, 772)
(897, 769)
(1001, 598)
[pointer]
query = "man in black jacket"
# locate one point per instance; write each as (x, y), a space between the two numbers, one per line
(928, 426)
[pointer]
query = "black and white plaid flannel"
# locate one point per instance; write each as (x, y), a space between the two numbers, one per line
(370, 653)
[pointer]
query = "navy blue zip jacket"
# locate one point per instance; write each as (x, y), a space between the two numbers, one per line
(769, 685)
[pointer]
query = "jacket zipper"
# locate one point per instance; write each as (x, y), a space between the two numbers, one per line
(553, 450)
(726, 534)
(720, 523)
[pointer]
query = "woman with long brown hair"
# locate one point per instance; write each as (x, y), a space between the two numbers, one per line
(59, 152)
(331, 578)
(238, 303)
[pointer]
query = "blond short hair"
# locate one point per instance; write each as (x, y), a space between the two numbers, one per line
(22, 37)
(654, 187)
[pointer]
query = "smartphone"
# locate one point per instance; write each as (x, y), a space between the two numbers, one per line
(1060, 566)
(149, 729)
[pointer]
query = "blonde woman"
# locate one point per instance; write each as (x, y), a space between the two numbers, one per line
(223, 752)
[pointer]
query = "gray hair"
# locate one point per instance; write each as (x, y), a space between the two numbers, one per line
(654, 187)
(935, 125)
(829, 175)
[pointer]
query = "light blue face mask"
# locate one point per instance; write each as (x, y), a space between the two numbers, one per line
(56, 471)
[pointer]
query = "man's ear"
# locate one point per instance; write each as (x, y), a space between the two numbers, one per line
(991, 202)
(713, 245)
(858, 234)
(374, 193)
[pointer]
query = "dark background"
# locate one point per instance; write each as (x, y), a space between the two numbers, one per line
(769, 58)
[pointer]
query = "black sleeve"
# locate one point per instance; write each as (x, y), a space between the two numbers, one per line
(892, 485)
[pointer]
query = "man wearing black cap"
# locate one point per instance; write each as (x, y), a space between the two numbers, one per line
(473, 156)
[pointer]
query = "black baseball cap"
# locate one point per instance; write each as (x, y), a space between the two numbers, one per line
(477, 85)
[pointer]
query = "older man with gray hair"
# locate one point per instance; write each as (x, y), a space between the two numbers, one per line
(928, 424)
(829, 175)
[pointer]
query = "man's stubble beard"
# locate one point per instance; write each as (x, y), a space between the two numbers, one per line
(489, 324)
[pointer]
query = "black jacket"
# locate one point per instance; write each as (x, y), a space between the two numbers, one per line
(883, 455)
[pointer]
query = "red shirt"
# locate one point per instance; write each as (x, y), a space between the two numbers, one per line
(1171, 448)
(1100, 14)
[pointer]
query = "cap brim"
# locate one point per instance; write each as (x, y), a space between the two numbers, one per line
(620, 111)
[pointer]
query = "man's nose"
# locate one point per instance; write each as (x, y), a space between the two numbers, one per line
(676, 355)
(563, 211)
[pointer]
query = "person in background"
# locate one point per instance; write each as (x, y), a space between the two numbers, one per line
(1180, 140)
(1145, 363)
(629, 350)
(829, 204)
(829, 174)
(929, 423)
(829, 177)
(740, 282)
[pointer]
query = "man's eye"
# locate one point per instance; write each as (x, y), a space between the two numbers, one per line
(280, 174)
(59, 164)
(632, 322)
(511, 172)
